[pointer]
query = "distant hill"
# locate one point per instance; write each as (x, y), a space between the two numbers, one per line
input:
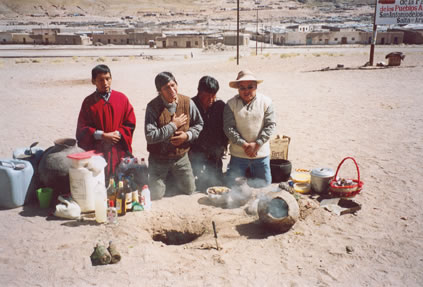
(123, 7)
(92, 7)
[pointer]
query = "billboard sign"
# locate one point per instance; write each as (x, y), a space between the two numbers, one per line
(399, 12)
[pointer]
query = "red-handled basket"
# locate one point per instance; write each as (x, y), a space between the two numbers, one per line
(348, 190)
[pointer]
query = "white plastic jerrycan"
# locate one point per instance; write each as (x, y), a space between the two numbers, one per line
(85, 174)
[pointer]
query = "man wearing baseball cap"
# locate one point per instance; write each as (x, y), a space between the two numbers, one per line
(249, 122)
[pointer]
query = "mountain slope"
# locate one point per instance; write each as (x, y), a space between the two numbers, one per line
(130, 7)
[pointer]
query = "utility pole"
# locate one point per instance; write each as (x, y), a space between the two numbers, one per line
(372, 46)
(237, 33)
(257, 32)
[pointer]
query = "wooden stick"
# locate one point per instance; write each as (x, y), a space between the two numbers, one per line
(215, 235)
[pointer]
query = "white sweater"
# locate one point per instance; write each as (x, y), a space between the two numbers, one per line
(249, 123)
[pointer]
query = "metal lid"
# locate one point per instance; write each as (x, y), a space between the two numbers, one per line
(322, 172)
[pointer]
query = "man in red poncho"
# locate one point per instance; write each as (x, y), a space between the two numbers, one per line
(106, 122)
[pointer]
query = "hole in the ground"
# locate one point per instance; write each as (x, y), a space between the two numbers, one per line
(174, 237)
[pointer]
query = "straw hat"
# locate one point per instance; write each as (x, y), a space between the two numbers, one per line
(244, 75)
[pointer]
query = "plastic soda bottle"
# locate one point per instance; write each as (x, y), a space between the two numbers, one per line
(100, 203)
(146, 198)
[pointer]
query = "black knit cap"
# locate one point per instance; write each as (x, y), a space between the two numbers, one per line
(162, 79)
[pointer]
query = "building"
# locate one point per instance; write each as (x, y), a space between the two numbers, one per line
(72, 39)
(142, 37)
(115, 37)
(213, 40)
(6, 38)
(411, 36)
(188, 40)
(45, 36)
(230, 39)
(22, 38)
(336, 38)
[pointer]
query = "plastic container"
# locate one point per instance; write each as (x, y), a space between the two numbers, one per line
(300, 177)
(44, 196)
(100, 203)
(302, 187)
(84, 176)
(32, 154)
(145, 197)
(15, 179)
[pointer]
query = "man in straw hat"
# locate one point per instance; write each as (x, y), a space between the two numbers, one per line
(249, 121)
(172, 123)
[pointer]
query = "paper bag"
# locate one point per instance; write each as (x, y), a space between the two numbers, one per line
(279, 147)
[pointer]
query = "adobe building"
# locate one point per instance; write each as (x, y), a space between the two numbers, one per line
(22, 38)
(5, 38)
(230, 39)
(72, 39)
(411, 36)
(45, 36)
(180, 41)
(115, 37)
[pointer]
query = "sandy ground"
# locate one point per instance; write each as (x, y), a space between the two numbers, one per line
(374, 115)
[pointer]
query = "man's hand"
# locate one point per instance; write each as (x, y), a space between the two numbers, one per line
(112, 137)
(251, 149)
(179, 138)
(180, 120)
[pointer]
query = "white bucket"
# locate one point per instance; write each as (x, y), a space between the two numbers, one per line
(83, 183)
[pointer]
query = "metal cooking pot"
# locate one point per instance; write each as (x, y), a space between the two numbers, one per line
(320, 178)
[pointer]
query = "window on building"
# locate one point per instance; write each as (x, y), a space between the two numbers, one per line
(336, 39)
(114, 40)
(320, 40)
(175, 44)
(196, 43)
(353, 39)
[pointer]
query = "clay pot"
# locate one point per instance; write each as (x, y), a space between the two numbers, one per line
(280, 170)
(278, 211)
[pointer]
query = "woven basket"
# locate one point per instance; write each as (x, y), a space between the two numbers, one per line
(348, 190)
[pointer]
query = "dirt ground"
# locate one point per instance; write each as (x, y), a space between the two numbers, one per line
(372, 114)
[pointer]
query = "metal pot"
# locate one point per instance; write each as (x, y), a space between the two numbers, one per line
(320, 178)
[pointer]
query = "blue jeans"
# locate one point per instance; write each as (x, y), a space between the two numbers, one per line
(259, 170)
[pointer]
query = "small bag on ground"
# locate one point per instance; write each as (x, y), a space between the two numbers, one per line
(279, 147)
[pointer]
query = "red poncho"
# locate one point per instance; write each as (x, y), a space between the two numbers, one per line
(115, 115)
